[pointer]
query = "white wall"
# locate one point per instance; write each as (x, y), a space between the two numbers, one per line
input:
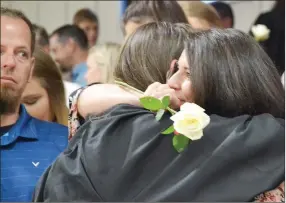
(245, 12)
(52, 14)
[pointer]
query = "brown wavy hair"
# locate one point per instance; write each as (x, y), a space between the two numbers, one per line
(232, 75)
(147, 53)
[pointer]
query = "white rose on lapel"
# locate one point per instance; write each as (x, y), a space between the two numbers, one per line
(260, 32)
(190, 121)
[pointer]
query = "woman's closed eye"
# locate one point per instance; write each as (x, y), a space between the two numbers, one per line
(176, 69)
(30, 100)
(187, 71)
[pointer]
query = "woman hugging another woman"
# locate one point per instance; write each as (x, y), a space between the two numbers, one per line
(120, 153)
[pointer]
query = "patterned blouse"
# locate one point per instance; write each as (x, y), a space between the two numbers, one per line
(75, 121)
(276, 195)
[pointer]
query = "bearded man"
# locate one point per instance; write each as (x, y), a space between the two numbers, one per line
(28, 145)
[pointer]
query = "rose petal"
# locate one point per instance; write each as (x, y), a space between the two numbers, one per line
(195, 135)
(191, 107)
(206, 120)
(180, 128)
(178, 116)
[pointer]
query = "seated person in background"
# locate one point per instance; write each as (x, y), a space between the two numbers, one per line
(120, 154)
(42, 41)
(141, 12)
(101, 62)
(42, 38)
(44, 95)
(28, 145)
(69, 47)
(88, 22)
(225, 12)
(274, 46)
(201, 15)
(139, 67)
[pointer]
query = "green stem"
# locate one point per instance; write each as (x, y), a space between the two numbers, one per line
(171, 111)
(140, 92)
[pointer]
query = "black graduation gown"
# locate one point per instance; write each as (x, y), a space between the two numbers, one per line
(121, 156)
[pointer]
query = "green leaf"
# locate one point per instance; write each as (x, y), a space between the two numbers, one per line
(168, 130)
(159, 114)
(151, 103)
(166, 101)
(180, 142)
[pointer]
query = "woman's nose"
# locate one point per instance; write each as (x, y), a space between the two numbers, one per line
(174, 81)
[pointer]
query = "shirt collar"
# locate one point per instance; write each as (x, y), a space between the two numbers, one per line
(22, 128)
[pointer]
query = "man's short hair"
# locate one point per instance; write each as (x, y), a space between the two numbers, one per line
(72, 31)
(13, 13)
(84, 14)
(224, 10)
(42, 37)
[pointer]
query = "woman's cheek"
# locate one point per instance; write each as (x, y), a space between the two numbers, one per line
(187, 90)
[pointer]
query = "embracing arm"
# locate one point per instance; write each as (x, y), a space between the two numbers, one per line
(98, 98)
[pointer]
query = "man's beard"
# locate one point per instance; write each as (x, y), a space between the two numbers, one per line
(9, 100)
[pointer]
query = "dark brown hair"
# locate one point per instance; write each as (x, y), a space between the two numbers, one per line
(224, 10)
(148, 52)
(84, 14)
(153, 11)
(74, 32)
(231, 74)
(13, 13)
(49, 75)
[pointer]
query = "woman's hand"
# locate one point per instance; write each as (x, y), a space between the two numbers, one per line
(159, 90)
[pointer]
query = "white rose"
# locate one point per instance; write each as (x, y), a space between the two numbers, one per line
(190, 121)
(260, 32)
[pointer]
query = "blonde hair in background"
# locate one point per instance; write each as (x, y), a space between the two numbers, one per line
(49, 75)
(106, 56)
(205, 13)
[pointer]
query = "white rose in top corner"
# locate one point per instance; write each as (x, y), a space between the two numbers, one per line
(260, 32)
(190, 121)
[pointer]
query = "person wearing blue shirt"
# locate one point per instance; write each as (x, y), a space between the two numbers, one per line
(78, 74)
(69, 47)
(28, 145)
